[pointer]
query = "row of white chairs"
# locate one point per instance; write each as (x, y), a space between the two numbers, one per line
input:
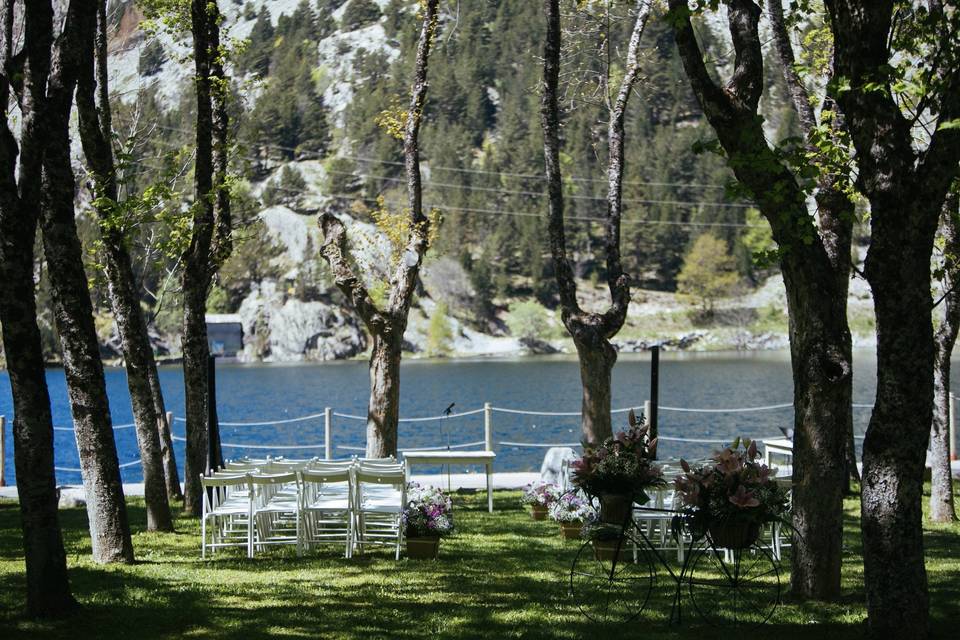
(256, 503)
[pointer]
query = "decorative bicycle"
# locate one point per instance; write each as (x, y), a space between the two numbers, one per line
(612, 580)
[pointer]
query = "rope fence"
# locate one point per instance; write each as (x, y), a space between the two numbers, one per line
(487, 443)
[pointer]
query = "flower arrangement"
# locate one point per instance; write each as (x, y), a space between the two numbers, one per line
(540, 493)
(570, 507)
(429, 512)
(734, 488)
(623, 464)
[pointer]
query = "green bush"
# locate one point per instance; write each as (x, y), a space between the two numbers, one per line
(359, 13)
(152, 57)
(439, 333)
(528, 321)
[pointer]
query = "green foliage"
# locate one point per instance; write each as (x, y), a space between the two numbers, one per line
(218, 300)
(528, 321)
(439, 332)
(152, 57)
(709, 272)
(359, 13)
(286, 189)
(341, 176)
(255, 258)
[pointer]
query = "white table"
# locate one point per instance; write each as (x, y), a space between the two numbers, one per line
(457, 457)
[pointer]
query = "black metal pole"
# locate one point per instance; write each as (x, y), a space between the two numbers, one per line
(654, 389)
(214, 450)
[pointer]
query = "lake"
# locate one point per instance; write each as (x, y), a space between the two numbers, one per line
(260, 392)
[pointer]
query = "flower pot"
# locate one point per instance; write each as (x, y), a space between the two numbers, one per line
(423, 548)
(539, 511)
(615, 508)
(571, 530)
(607, 549)
(733, 534)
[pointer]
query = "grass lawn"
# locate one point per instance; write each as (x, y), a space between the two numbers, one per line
(502, 576)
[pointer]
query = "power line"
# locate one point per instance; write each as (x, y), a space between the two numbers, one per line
(530, 176)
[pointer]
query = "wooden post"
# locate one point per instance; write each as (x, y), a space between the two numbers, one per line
(328, 433)
(3, 451)
(654, 390)
(953, 426)
(170, 423)
(488, 425)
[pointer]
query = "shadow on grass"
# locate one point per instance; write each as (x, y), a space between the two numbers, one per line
(502, 576)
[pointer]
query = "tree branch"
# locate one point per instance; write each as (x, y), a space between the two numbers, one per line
(715, 102)
(746, 84)
(798, 92)
(405, 277)
(550, 122)
(334, 249)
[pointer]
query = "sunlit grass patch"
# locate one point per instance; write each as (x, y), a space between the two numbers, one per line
(501, 576)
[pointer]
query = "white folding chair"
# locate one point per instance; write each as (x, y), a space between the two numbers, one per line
(380, 495)
(326, 507)
(228, 507)
(276, 513)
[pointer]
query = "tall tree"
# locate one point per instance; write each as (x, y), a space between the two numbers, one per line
(48, 586)
(883, 49)
(387, 325)
(591, 332)
(210, 242)
(942, 507)
(814, 260)
(833, 192)
(96, 134)
(73, 310)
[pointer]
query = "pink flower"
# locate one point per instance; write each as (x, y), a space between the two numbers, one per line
(744, 498)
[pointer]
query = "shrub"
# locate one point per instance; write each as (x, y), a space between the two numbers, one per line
(359, 13)
(152, 57)
(439, 333)
(528, 321)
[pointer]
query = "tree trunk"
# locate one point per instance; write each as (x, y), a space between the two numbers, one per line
(106, 510)
(209, 242)
(814, 266)
(48, 587)
(96, 133)
(898, 270)
(171, 475)
(591, 332)
(196, 353)
(138, 359)
(384, 409)
(941, 481)
(596, 368)
(821, 358)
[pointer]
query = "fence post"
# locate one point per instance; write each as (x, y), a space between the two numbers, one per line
(327, 432)
(3, 451)
(170, 421)
(953, 427)
(488, 425)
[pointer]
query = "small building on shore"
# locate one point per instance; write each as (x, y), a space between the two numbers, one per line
(225, 334)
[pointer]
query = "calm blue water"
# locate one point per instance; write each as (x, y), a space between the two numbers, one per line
(271, 392)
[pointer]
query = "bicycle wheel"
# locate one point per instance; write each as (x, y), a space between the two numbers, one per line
(742, 592)
(608, 591)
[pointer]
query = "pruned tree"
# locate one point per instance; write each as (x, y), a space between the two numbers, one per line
(591, 332)
(942, 507)
(814, 259)
(210, 242)
(96, 134)
(386, 325)
(897, 69)
(73, 310)
(48, 587)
